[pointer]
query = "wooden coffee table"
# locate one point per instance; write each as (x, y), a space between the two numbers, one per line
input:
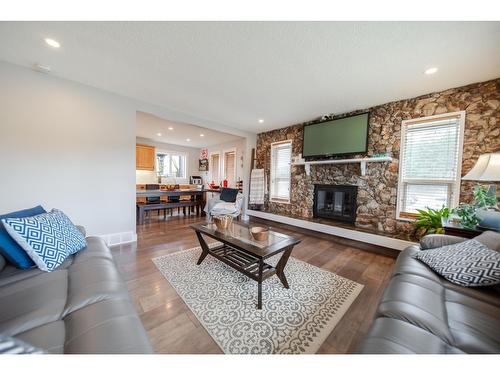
(246, 255)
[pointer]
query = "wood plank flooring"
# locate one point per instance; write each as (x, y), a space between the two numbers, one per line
(172, 327)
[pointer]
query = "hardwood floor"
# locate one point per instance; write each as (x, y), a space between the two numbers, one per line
(172, 327)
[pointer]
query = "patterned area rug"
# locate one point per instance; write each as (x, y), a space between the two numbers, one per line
(295, 320)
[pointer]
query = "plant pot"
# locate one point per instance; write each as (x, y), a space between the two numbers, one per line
(489, 217)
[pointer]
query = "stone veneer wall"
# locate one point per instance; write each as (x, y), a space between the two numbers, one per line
(377, 190)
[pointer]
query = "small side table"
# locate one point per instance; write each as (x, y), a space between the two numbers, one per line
(460, 231)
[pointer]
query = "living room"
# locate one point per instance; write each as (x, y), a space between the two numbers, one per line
(297, 188)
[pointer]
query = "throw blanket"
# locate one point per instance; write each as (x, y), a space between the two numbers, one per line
(257, 186)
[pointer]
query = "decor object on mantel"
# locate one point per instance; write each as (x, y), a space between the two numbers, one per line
(487, 168)
(362, 161)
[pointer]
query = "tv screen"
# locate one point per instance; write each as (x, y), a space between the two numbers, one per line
(346, 135)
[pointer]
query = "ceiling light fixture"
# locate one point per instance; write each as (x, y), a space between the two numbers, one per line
(261, 121)
(170, 128)
(187, 139)
(52, 42)
(431, 71)
(158, 134)
(202, 135)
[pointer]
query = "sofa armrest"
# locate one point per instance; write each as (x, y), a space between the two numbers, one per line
(432, 241)
(81, 229)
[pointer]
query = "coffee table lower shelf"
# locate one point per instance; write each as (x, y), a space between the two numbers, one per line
(245, 263)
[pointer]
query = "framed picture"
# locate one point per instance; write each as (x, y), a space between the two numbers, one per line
(203, 165)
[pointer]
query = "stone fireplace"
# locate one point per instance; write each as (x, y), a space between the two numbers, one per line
(377, 190)
(335, 202)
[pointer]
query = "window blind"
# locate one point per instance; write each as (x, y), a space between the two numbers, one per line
(229, 167)
(214, 167)
(430, 164)
(281, 155)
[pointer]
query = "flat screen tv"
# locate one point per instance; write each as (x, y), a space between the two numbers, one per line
(343, 136)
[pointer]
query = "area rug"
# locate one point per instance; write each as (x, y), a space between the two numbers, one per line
(295, 320)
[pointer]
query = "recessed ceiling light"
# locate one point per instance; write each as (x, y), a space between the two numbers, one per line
(431, 71)
(261, 121)
(187, 139)
(158, 134)
(52, 42)
(170, 128)
(202, 135)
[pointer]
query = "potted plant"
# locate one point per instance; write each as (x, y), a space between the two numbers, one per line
(486, 207)
(467, 214)
(430, 221)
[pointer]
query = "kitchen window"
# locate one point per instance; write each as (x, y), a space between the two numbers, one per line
(430, 163)
(281, 157)
(171, 164)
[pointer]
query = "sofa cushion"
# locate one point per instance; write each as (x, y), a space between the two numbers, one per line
(93, 277)
(490, 239)
(11, 345)
(32, 302)
(469, 263)
(392, 336)
(47, 238)
(49, 337)
(433, 241)
(418, 301)
(106, 327)
(2, 263)
(9, 248)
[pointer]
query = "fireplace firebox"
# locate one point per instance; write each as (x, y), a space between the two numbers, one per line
(336, 202)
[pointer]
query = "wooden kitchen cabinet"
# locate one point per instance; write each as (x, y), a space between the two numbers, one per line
(144, 158)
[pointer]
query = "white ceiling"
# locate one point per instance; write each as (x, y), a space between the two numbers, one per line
(148, 126)
(237, 72)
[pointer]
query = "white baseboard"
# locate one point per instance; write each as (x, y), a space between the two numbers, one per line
(114, 239)
(375, 239)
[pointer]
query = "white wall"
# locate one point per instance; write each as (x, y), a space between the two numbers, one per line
(193, 155)
(67, 145)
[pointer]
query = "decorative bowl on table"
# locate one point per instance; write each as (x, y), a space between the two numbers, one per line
(259, 233)
(223, 222)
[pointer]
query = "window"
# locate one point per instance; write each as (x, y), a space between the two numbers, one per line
(430, 163)
(171, 164)
(281, 155)
(230, 168)
(214, 167)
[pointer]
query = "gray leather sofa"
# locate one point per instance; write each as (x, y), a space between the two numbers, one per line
(421, 312)
(82, 307)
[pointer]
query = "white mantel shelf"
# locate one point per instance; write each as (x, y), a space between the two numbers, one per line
(361, 161)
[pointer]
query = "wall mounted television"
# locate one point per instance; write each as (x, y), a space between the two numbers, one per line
(343, 136)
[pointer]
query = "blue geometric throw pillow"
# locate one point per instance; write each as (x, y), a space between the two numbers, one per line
(47, 238)
(9, 248)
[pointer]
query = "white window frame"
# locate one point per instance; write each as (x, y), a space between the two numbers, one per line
(223, 164)
(455, 183)
(278, 199)
(210, 169)
(172, 152)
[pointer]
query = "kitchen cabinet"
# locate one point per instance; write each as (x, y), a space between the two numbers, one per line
(144, 158)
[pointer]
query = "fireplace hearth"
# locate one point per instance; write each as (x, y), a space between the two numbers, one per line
(336, 202)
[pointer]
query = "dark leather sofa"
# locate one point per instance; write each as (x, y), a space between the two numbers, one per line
(82, 307)
(421, 312)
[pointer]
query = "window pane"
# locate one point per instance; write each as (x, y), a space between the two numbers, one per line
(229, 168)
(214, 167)
(280, 170)
(423, 196)
(171, 165)
(431, 151)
